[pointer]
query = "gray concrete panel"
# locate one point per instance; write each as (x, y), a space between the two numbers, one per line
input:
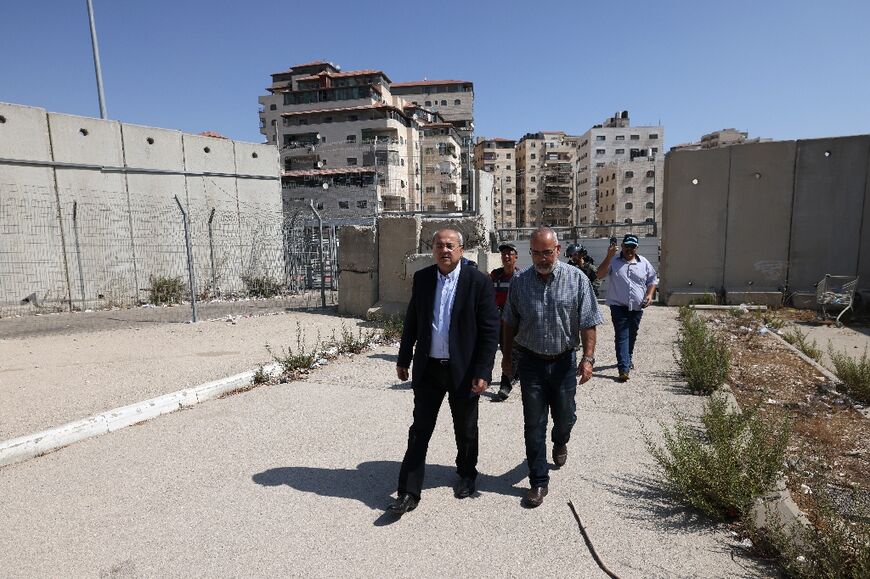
(358, 250)
(357, 292)
(759, 217)
(253, 159)
(399, 239)
(694, 221)
(473, 231)
(152, 148)
(864, 245)
(831, 179)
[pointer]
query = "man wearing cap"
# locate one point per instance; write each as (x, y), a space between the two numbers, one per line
(579, 257)
(550, 312)
(632, 282)
(501, 281)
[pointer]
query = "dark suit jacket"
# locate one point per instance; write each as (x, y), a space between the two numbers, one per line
(474, 324)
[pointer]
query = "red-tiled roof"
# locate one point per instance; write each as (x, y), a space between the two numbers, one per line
(429, 83)
(213, 135)
(342, 74)
(325, 172)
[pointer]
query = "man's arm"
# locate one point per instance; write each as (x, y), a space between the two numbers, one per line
(409, 336)
(507, 350)
(651, 283)
(487, 335)
(604, 268)
(588, 337)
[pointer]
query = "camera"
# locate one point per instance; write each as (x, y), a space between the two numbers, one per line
(613, 240)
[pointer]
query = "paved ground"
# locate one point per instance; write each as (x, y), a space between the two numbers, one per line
(293, 480)
(853, 339)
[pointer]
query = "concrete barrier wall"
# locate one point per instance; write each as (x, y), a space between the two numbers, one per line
(775, 219)
(99, 217)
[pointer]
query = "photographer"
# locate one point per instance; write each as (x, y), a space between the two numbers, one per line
(630, 289)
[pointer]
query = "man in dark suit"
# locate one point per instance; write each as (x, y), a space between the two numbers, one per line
(453, 321)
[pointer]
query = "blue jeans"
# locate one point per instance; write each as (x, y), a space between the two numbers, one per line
(625, 325)
(546, 385)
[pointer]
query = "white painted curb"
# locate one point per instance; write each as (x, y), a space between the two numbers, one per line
(33, 445)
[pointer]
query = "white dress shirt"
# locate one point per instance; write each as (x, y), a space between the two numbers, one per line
(445, 292)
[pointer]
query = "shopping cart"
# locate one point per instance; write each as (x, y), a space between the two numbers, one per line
(836, 291)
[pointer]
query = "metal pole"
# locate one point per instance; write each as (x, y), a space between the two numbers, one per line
(320, 253)
(500, 186)
(190, 276)
(97, 68)
(211, 252)
(78, 252)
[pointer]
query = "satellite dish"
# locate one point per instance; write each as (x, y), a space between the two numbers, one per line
(325, 185)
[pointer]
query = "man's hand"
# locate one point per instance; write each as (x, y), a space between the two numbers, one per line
(612, 250)
(507, 366)
(478, 385)
(645, 302)
(402, 373)
(584, 371)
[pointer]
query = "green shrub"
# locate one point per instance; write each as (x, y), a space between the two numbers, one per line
(723, 468)
(702, 355)
(854, 372)
(353, 344)
(707, 299)
(261, 286)
(392, 327)
(799, 340)
(296, 362)
(260, 376)
(772, 320)
(165, 290)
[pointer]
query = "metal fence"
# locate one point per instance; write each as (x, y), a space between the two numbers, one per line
(80, 250)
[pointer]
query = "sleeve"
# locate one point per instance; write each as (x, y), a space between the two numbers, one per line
(651, 277)
(409, 331)
(511, 314)
(487, 330)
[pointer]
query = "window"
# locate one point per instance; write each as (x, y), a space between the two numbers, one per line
(533, 156)
(351, 138)
(509, 201)
(655, 150)
(457, 102)
(650, 173)
(343, 205)
(635, 137)
(629, 206)
(533, 189)
(444, 103)
(508, 156)
(402, 162)
(403, 183)
(599, 165)
(533, 178)
(352, 117)
(650, 205)
(600, 138)
(650, 189)
(303, 121)
(653, 136)
(428, 103)
(507, 167)
(620, 137)
(507, 179)
(351, 161)
(430, 189)
(629, 174)
(620, 151)
(628, 221)
(600, 151)
(649, 220)
(327, 119)
(629, 190)
(362, 204)
(273, 107)
(320, 205)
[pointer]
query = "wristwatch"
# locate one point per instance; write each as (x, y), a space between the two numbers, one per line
(589, 359)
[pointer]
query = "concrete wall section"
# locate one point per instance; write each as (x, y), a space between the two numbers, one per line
(29, 223)
(864, 246)
(759, 218)
(399, 238)
(831, 180)
(694, 221)
(94, 210)
(473, 231)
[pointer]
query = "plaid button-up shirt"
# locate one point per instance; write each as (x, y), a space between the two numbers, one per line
(547, 316)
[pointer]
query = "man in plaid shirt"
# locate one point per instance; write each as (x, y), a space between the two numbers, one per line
(551, 309)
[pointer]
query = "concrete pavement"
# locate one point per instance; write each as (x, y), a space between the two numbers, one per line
(293, 479)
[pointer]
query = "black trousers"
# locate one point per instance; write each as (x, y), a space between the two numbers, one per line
(427, 401)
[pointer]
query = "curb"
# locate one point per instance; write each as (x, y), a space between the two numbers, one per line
(32, 445)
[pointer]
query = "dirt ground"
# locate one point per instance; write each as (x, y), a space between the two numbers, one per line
(829, 451)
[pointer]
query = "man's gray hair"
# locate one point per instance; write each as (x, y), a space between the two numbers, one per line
(545, 232)
(456, 231)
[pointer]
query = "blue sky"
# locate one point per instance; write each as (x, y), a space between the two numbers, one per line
(777, 69)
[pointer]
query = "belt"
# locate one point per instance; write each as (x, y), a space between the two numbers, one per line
(559, 356)
(442, 361)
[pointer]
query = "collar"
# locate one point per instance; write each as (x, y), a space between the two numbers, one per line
(452, 276)
(554, 275)
(636, 257)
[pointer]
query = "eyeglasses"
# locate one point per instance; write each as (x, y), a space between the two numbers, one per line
(543, 253)
(447, 246)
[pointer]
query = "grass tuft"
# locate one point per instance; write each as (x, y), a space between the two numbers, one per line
(800, 340)
(701, 354)
(165, 290)
(854, 372)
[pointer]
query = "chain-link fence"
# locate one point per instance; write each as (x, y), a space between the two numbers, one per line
(79, 250)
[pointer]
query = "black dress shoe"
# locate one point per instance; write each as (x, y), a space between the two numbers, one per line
(560, 454)
(465, 488)
(403, 504)
(535, 497)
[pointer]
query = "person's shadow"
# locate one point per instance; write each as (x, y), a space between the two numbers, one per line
(372, 483)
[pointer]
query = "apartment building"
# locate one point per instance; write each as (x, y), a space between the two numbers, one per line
(453, 100)
(353, 147)
(613, 141)
(721, 138)
(627, 191)
(496, 156)
(546, 189)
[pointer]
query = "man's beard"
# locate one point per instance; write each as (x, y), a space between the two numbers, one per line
(544, 269)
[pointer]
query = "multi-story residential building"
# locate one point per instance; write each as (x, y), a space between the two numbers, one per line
(722, 138)
(496, 156)
(353, 147)
(545, 185)
(627, 191)
(454, 101)
(613, 141)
